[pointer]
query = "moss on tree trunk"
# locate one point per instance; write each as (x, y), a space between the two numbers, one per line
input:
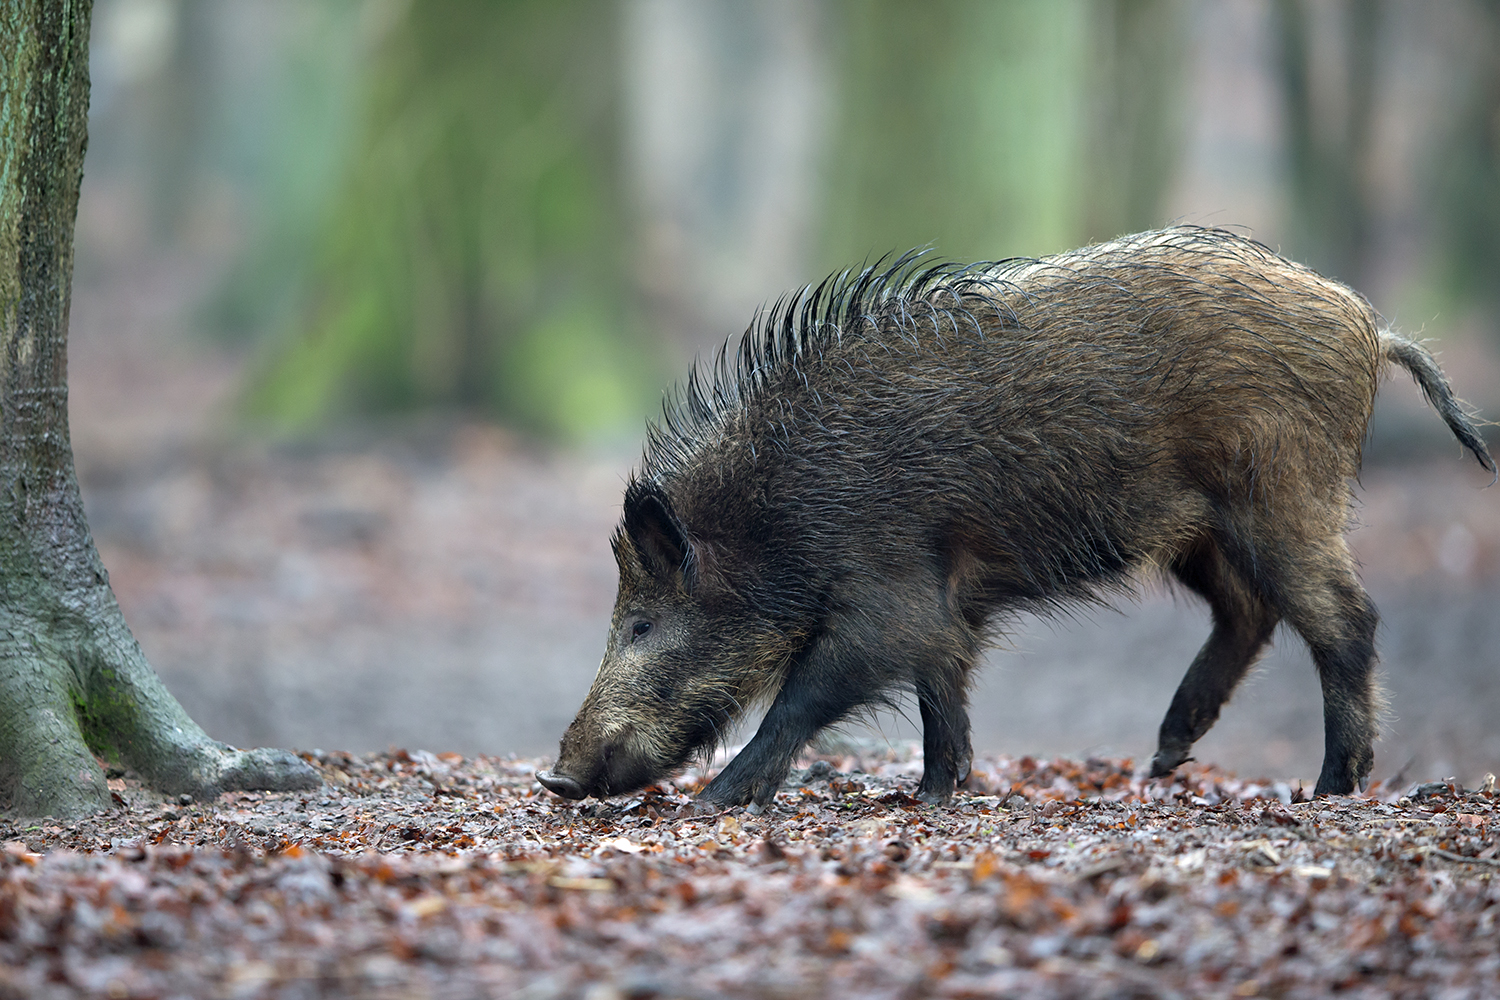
(73, 681)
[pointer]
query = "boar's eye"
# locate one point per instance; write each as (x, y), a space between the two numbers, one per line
(639, 630)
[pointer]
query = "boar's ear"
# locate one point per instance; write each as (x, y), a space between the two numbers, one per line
(662, 542)
(655, 532)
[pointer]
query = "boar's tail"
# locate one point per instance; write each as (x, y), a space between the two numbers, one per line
(1424, 368)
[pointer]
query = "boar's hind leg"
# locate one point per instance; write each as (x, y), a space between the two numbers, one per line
(947, 753)
(1243, 622)
(1337, 618)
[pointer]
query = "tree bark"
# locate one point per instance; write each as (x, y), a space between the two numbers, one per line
(73, 681)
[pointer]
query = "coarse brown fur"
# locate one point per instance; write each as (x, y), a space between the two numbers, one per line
(898, 458)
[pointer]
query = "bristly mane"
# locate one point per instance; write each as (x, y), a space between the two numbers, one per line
(802, 324)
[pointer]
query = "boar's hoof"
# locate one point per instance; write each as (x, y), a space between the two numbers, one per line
(935, 797)
(1344, 772)
(1337, 784)
(758, 791)
(1166, 761)
(1342, 785)
(563, 785)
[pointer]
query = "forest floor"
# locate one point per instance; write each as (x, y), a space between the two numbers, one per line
(421, 875)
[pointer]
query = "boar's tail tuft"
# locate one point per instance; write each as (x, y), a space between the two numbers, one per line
(1424, 369)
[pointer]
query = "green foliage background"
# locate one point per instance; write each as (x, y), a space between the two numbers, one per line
(992, 130)
(474, 252)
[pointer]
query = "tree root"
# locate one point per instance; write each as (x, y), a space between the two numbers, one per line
(77, 686)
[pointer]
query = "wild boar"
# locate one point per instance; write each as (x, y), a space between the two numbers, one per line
(896, 459)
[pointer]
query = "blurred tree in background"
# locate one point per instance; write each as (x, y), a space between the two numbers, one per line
(990, 130)
(956, 128)
(1468, 181)
(283, 132)
(231, 120)
(1330, 130)
(1337, 65)
(1137, 59)
(486, 247)
(473, 254)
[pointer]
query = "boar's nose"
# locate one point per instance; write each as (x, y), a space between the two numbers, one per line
(555, 781)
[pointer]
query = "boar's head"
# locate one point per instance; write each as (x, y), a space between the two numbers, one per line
(683, 660)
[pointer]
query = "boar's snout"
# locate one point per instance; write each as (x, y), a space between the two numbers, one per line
(592, 764)
(564, 785)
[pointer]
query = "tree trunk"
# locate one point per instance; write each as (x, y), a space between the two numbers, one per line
(73, 681)
(1329, 134)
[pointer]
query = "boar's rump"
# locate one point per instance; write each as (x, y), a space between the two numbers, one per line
(894, 460)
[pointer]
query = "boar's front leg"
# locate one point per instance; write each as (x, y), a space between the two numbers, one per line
(811, 698)
(828, 681)
(846, 668)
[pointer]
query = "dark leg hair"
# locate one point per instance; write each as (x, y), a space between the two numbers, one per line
(1313, 586)
(946, 750)
(1337, 618)
(852, 665)
(1243, 623)
(812, 696)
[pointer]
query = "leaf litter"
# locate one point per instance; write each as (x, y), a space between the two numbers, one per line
(413, 874)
